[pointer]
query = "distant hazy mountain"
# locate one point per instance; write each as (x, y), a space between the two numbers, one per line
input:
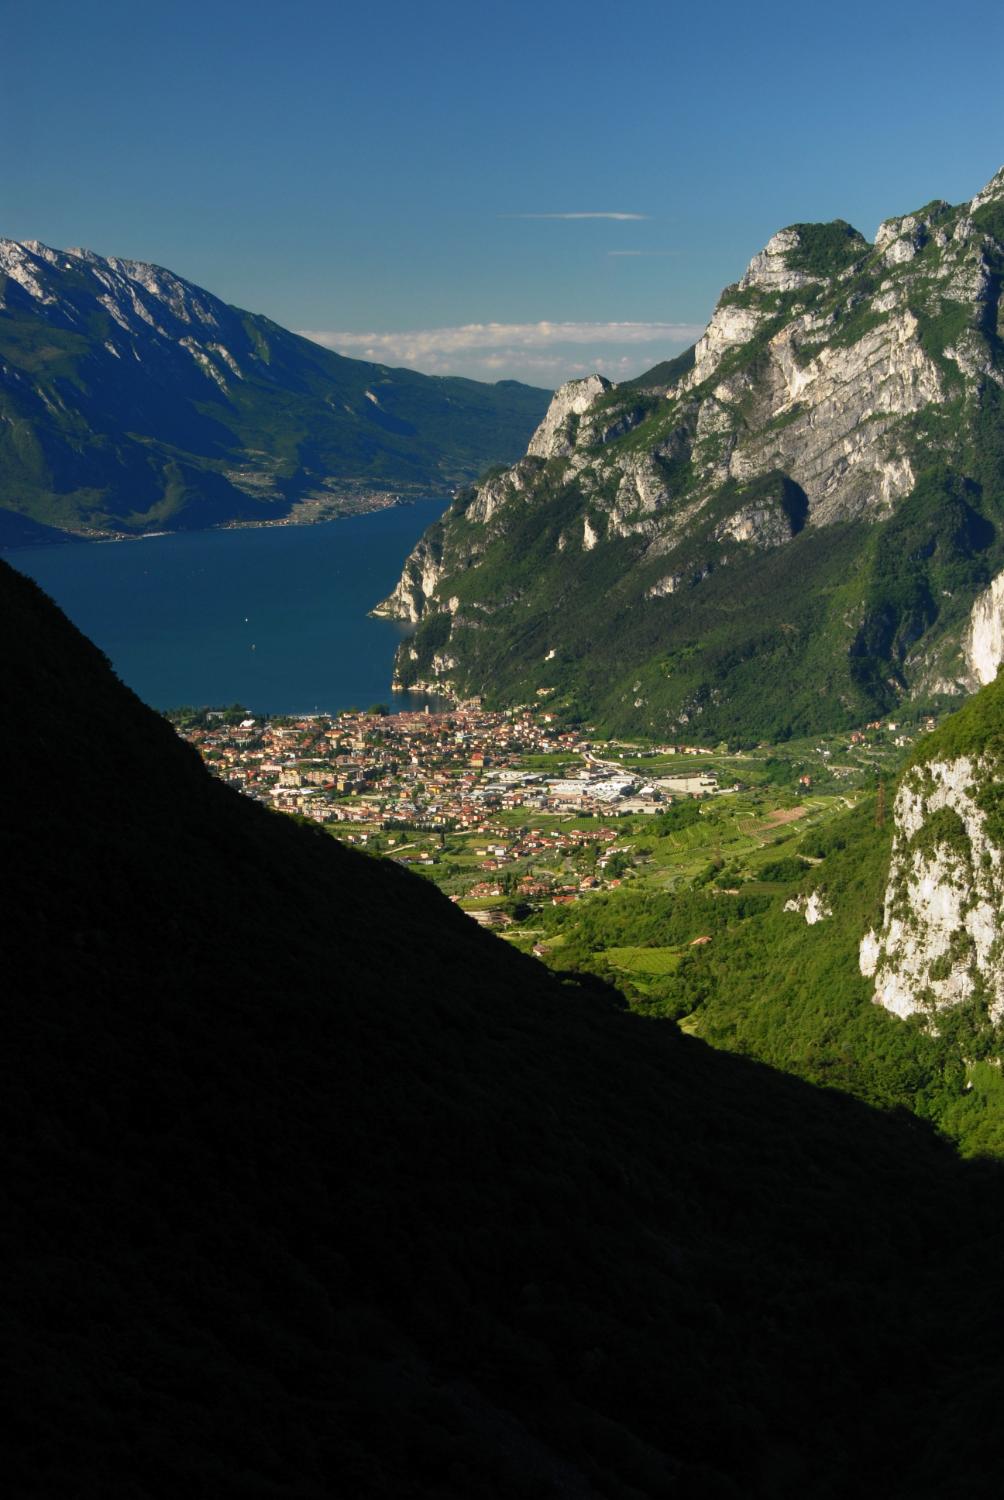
(794, 526)
(132, 400)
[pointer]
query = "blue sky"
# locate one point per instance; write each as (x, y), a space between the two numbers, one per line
(397, 178)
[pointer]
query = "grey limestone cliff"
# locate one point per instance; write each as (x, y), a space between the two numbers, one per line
(983, 642)
(941, 939)
(835, 378)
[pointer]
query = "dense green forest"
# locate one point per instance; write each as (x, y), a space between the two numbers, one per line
(315, 1188)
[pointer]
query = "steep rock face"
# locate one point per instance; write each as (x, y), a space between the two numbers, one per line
(983, 644)
(941, 938)
(837, 427)
(555, 437)
(838, 442)
(130, 398)
(940, 943)
(417, 583)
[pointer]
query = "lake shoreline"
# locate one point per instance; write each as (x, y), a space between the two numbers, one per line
(273, 616)
(312, 512)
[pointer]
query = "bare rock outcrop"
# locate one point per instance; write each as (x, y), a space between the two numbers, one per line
(555, 437)
(940, 942)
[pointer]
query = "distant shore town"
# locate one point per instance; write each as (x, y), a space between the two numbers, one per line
(436, 770)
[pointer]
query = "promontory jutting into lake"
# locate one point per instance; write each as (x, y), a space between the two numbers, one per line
(272, 617)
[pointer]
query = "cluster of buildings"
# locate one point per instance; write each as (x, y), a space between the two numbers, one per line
(543, 865)
(434, 771)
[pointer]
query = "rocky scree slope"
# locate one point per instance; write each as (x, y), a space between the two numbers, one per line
(784, 529)
(314, 1188)
(131, 399)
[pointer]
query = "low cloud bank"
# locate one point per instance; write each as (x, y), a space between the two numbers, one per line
(544, 353)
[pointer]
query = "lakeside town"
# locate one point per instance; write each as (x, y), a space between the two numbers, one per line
(505, 806)
(437, 770)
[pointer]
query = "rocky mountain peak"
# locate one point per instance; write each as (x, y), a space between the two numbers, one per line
(797, 265)
(834, 379)
(555, 437)
(139, 297)
(902, 238)
(23, 265)
(993, 191)
(128, 394)
(770, 270)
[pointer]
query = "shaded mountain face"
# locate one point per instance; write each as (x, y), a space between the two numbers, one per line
(313, 1187)
(131, 400)
(784, 530)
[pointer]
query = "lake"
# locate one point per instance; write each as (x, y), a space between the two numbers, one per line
(274, 617)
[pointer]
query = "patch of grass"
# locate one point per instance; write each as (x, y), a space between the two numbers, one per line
(654, 961)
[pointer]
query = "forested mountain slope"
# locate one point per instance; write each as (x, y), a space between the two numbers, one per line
(865, 954)
(315, 1188)
(789, 529)
(131, 400)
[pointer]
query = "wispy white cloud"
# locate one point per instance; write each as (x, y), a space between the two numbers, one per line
(411, 345)
(545, 352)
(619, 217)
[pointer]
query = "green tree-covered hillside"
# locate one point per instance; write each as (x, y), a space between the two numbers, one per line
(761, 956)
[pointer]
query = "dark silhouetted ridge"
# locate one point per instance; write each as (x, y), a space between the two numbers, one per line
(316, 1189)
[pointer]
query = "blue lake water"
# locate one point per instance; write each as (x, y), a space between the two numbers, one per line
(273, 617)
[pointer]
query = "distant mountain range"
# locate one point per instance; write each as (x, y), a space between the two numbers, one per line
(132, 400)
(794, 526)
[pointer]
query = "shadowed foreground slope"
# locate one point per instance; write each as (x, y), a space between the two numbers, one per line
(317, 1189)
